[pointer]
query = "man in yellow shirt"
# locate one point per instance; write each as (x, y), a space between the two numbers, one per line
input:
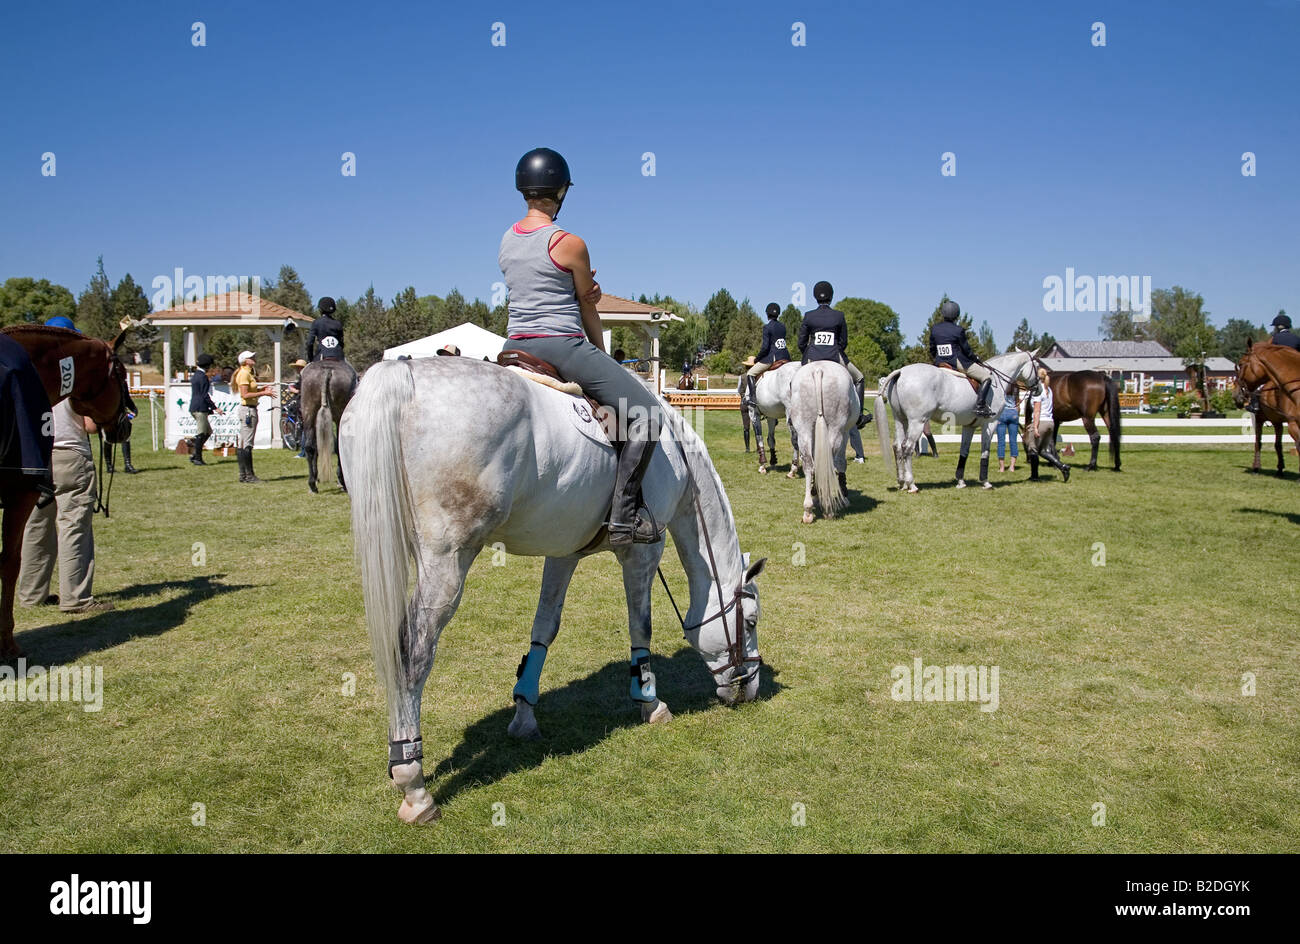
(245, 384)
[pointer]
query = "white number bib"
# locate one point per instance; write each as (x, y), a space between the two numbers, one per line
(945, 350)
(330, 342)
(823, 338)
(780, 344)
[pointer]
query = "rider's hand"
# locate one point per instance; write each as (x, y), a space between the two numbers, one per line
(594, 295)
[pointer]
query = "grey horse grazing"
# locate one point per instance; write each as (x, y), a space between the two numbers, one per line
(529, 467)
(327, 386)
(774, 398)
(919, 392)
(824, 408)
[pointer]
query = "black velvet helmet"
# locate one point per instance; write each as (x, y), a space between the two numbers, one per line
(773, 310)
(1282, 321)
(543, 173)
(326, 305)
(950, 310)
(823, 292)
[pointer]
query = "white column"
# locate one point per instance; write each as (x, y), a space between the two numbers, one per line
(276, 335)
(167, 356)
(189, 346)
(655, 367)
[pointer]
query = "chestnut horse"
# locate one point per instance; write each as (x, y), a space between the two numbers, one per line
(87, 371)
(1273, 372)
(1083, 394)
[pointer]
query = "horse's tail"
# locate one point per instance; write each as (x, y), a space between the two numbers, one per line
(824, 477)
(381, 510)
(882, 418)
(325, 434)
(1112, 419)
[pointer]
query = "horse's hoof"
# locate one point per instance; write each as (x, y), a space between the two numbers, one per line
(961, 483)
(912, 489)
(418, 815)
(524, 732)
(792, 474)
(655, 712)
(313, 489)
(808, 517)
(762, 469)
(988, 484)
(1092, 468)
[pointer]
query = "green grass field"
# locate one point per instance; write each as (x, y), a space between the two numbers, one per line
(1120, 684)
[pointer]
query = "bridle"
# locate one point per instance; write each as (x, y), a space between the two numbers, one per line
(124, 415)
(737, 659)
(1008, 381)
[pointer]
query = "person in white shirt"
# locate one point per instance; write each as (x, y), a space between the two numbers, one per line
(63, 530)
(1040, 436)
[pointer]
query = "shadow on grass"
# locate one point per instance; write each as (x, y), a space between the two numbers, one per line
(1270, 472)
(577, 717)
(1291, 516)
(73, 637)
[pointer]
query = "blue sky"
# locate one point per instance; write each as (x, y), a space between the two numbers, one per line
(774, 163)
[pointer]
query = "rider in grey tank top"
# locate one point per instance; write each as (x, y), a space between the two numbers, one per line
(543, 303)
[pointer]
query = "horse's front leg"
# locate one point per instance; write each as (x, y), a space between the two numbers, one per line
(639, 562)
(309, 450)
(1277, 445)
(338, 457)
(795, 462)
(439, 582)
(18, 509)
(1094, 437)
(1259, 436)
(556, 574)
(756, 421)
(771, 440)
(986, 436)
(966, 434)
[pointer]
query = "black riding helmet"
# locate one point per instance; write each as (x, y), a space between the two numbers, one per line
(1282, 321)
(326, 305)
(773, 310)
(950, 310)
(543, 173)
(823, 292)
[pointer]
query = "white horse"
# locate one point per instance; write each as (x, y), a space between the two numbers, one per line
(919, 392)
(774, 397)
(824, 408)
(446, 455)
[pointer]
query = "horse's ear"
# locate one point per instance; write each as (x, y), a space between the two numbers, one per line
(754, 570)
(1249, 342)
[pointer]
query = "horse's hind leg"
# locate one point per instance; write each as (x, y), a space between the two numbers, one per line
(556, 574)
(639, 562)
(438, 586)
(309, 447)
(1094, 437)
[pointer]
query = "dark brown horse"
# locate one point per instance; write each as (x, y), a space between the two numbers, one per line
(1273, 373)
(1083, 394)
(327, 386)
(86, 371)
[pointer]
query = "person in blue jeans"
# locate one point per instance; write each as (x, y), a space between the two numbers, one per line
(1008, 427)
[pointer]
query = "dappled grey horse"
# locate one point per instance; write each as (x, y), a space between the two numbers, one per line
(773, 403)
(824, 407)
(326, 387)
(446, 455)
(919, 392)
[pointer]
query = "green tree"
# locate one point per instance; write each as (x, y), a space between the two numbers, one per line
(1180, 322)
(1022, 337)
(875, 321)
(34, 301)
(744, 335)
(792, 318)
(983, 344)
(289, 291)
(95, 307)
(718, 313)
(1234, 334)
(364, 336)
(1119, 325)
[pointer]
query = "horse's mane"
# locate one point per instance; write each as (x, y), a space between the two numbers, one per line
(700, 462)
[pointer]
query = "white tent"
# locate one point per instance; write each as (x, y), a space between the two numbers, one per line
(472, 340)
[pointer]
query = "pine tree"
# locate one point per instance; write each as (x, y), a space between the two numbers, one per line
(744, 334)
(363, 336)
(719, 311)
(129, 301)
(94, 316)
(289, 291)
(792, 318)
(1022, 337)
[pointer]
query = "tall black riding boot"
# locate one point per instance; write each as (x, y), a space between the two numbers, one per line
(248, 459)
(753, 389)
(863, 416)
(629, 521)
(243, 465)
(127, 467)
(196, 449)
(982, 407)
(1055, 461)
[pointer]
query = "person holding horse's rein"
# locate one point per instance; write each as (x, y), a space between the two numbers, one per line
(949, 346)
(552, 297)
(773, 349)
(325, 339)
(824, 336)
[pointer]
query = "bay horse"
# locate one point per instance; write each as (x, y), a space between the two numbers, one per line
(447, 455)
(326, 386)
(1272, 371)
(1082, 395)
(919, 392)
(70, 366)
